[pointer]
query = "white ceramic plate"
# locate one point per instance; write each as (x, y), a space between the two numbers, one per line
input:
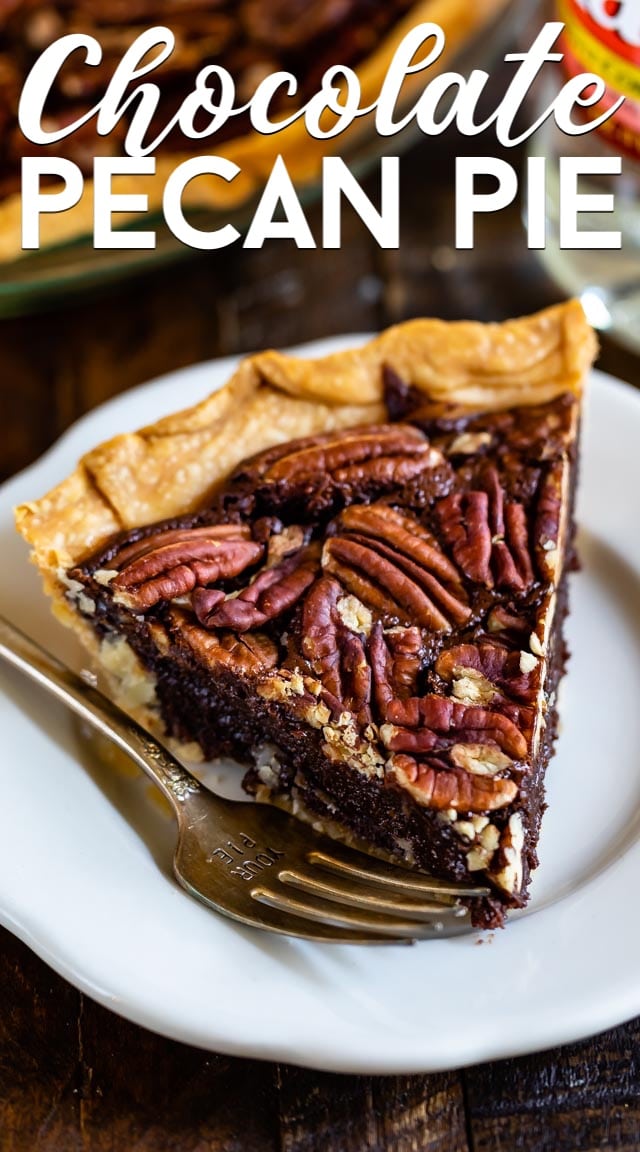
(85, 853)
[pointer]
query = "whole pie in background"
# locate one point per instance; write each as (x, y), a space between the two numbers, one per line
(250, 38)
(350, 574)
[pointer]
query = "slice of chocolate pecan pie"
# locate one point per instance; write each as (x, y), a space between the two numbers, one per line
(368, 610)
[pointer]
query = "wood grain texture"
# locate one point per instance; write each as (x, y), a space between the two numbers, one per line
(74, 1076)
(77, 1078)
(586, 1096)
(321, 1113)
(39, 1073)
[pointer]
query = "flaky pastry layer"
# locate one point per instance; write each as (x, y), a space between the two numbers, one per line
(173, 465)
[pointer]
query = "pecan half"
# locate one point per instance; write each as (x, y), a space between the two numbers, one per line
(500, 667)
(441, 789)
(466, 723)
(328, 469)
(273, 592)
(414, 545)
(337, 655)
(489, 536)
(247, 655)
(547, 522)
(319, 642)
(130, 552)
(397, 554)
(396, 658)
(511, 560)
(464, 523)
(359, 446)
(391, 577)
(171, 564)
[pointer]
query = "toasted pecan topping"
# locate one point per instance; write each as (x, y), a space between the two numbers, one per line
(439, 789)
(497, 664)
(393, 619)
(442, 715)
(171, 564)
(340, 452)
(273, 592)
(489, 537)
(251, 654)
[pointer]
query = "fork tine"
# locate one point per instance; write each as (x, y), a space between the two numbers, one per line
(285, 924)
(393, 878)
(324, 912)
(368, 900)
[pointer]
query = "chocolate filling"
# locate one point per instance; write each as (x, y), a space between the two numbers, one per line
(352, 618)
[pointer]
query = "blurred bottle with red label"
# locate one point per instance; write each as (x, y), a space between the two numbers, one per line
(601, 37)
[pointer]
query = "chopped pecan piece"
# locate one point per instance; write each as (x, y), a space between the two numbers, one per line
(167, 565)
(284, 542)
(441, 789)
(507, 867)
(355, 615)
(479, 759)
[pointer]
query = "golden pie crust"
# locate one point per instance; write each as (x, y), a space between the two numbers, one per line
(253, 153)
(173, 465)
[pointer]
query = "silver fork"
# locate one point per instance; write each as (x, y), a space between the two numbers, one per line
(253, 862)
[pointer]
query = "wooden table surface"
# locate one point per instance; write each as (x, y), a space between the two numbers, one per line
(73, 1076)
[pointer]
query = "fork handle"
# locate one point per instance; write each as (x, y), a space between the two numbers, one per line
(98, 711)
